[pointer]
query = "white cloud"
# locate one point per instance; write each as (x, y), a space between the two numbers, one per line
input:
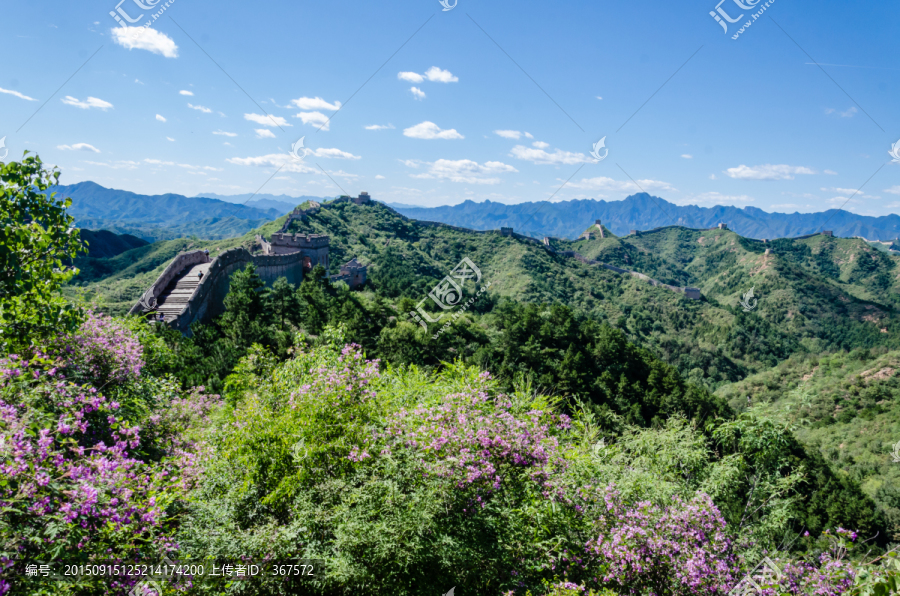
(842, 202)
(830, 172)
(894, 190)
(430, 130)
(78, 147)
(184, 92)
(315, 103)
(598, 97)
(343, 174)
(264, 133)
(90, 102)
(332, 153)
(17, 94)
(714, 198)
(118, 165)
(528, 135)
(139, 82)
(410, 163)
(608, 184)
(849, 113)
(187, 166)
(466, 171)
(314, 118)
(379, 177)
(266, 120)
(509, 134)
(786, 207)
(712, 177)
(767, 172)
(170, 138)
(540, 144)
(417, 93)
(276, 160)
(412, 77)
(143, 38)
(687, 156)
(201, 108)
(222, 133)
(160, 118)
(437, 75)
(539, 156)
(379, 126)
(850, 192)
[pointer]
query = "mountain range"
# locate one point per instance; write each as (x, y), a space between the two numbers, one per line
(568, 219)
(282, 203)
(162, 217)
(212, 216)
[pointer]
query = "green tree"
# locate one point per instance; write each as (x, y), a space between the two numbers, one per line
(283, 302)
(37, 241)
(246, 317)
(315, 299)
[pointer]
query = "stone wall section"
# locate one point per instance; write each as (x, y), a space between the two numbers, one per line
(208, 301)
(182, 261)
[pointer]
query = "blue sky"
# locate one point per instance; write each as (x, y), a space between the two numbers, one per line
(500, 101)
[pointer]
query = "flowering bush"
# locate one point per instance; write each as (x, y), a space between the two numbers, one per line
(476, 439)
(103, 350)
(82, 476)
(680, 549)
(403, 480)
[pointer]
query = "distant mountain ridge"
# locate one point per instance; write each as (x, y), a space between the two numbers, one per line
(568, 219)
(103, 244)
(282, 203)
(168, 215)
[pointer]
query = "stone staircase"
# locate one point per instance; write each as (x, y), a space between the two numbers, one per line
(175, 297)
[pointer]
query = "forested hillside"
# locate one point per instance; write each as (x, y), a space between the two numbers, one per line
(843, 404)
(804, 305)
(557, 429)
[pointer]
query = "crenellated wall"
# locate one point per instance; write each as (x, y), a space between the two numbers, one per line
(181, 262)
(209, 298)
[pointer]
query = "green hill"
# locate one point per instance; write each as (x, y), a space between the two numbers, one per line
(103, 244)
(846, 405)
(805, 308)
(712, 341)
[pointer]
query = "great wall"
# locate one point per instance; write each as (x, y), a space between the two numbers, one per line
(193, 286)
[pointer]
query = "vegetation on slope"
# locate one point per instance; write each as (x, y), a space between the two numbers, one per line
(845, 405)
(103, 244)
(438, 472)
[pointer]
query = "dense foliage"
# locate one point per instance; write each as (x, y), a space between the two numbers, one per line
(95, 460)
(537, 446)
(37, 239)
